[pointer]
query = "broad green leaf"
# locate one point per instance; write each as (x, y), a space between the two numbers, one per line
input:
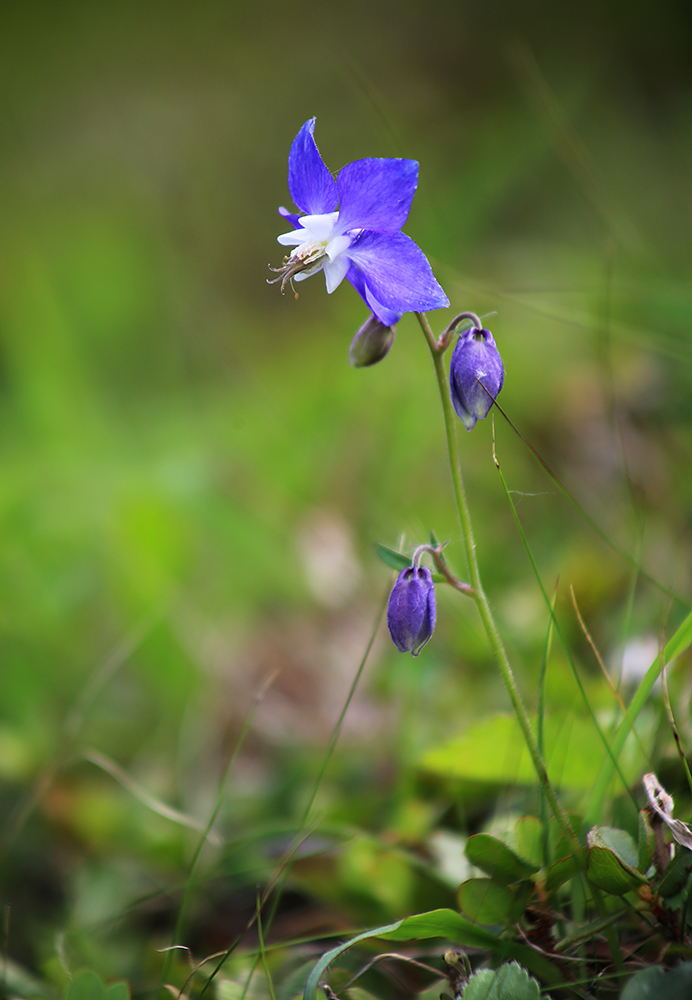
(617, 841)
(496, 859)
(676, 874)
(486, 901)
(86, 985)
(509, 982)
(564, 869)
(118, 991)
(445, 924)
(494, 751)
(674, 984)
(606, 871)
(395, 560)
(529, 833)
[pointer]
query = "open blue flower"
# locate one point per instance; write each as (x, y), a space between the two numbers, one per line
(351, 229)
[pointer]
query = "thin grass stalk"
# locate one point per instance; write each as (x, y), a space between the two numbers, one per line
(189, 881)
(563, 643)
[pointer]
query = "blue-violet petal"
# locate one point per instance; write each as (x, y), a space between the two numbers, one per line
(376, 194)
(397, 272)
(312, 187)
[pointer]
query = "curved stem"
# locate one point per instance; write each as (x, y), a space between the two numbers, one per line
(478, 593)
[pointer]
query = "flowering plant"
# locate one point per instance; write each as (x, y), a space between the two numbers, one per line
(351, 228)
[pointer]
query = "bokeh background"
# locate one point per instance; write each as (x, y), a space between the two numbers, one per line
(192, 478)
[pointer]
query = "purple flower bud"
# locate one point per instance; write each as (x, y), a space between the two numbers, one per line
(411, 609)
(372, 343)
(475, 357)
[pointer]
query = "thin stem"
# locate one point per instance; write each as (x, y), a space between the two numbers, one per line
(189, 882)
(479, 595)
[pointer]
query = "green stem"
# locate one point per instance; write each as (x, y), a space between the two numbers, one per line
(436, 352)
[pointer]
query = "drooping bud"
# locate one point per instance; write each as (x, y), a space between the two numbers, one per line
(475, 357)
(411, 609)
(372, 343)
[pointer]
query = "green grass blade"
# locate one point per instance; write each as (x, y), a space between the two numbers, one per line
(560, 636)
(680, 641)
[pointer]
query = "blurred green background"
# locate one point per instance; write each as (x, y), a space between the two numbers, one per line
(192, 477)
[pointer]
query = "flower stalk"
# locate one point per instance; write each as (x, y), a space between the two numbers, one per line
(476, 592)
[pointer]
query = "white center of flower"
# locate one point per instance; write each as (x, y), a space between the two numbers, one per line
(320, 246)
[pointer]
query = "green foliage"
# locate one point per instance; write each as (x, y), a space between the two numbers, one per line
(86, 985)
(492, 751)
(676, 873)
(487, 901)
(192, 478)
(508, 982)
(494, 857)
(661, 984)
(395, 560)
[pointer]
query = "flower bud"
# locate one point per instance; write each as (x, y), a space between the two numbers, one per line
(411, 609)
(372, 343)
(475, 357)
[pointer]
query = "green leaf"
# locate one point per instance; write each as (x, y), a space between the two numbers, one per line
(676, 874)
(573, 754)
(558, 845)
(617, 841)
(487, 902)
(509, 982)
(529, 833)
(564, 869)
(496, 859)
(675, 984)
(398, 561)
(673, 648)
(118, 991)
(86, 985)
(445, 924)
(395, 560)
(607, 872)
(645, 846)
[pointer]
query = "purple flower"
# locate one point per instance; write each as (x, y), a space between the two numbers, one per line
(351, 229)
(411, 609)
(475, 357)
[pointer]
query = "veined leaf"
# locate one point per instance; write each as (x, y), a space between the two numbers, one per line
(564, 869)
(445, 924)
(607, 872)
(496, 859)
(509, 982)
(486, 901)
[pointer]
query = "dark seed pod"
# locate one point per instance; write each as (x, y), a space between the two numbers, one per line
(372, 343)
